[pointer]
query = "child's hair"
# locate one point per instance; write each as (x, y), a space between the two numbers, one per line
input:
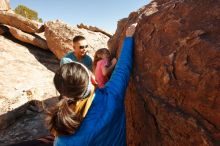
(71, 81)
(98, 56)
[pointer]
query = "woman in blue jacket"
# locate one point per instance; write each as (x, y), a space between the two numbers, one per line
(89, 116)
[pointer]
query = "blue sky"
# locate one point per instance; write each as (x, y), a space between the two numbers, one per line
(100, 13)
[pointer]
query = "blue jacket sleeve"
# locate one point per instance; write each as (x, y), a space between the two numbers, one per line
(120, 77)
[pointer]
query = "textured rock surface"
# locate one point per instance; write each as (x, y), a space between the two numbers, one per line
(26, 76)
(59, 38)
(3, 29)
(29, 38)
(4, 5)
(174, 95)
(93, 28)
(20, 22)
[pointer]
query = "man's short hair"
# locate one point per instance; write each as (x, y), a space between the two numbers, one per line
(78, 38)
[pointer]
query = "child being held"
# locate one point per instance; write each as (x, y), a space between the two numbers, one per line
(103, 66)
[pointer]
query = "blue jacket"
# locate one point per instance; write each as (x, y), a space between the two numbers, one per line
(104, 124)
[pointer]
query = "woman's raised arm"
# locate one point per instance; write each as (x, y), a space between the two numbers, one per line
(120, 77)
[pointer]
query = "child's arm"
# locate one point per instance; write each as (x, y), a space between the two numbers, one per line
(119, 80)
(106, 70)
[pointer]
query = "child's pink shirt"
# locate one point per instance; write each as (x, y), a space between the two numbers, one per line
(100, 78)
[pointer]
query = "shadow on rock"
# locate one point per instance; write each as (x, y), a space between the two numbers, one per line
(26, 122)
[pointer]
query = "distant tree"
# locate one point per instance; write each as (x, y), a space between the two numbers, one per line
(27, 13)
(40, 20)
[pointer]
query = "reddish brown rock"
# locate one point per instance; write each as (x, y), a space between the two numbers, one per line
(29, 38)
(59, 38)
(3, 29)
(174, 95)
(20, 22)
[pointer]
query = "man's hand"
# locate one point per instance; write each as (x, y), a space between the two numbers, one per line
(130, 30)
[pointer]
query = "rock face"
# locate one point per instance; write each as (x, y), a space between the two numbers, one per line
(59, 38)
(95, 29)
(3, 29)
(20, 22)
(26, 81)
(4, 5)
(29, 38)
(174, 94)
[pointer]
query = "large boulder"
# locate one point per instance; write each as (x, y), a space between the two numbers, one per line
(20, 22)
(59, 38)
(33, 39)
(26, 81)
(174, 94)
(95, 29)
(3, 29)
(4, 5)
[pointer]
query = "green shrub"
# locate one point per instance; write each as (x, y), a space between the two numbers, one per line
(27, 13)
